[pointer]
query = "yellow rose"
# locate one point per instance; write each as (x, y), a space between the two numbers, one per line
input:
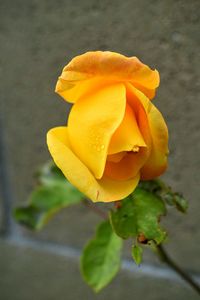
(115, 136)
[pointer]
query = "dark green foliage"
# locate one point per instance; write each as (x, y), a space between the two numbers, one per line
(139, 215)
(101, 257)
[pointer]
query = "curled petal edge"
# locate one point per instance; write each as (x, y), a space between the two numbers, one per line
(92, 67)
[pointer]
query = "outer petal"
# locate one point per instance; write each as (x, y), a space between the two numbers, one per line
(107, 66)
(157, 161)
(104, 190)
(92, 122)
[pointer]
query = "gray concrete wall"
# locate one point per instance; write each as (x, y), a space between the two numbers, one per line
(37, 38)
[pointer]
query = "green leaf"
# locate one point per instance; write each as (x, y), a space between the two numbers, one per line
(54, 193)
(50, 174)
(100, 260)
(139, 215)
(44, 202)
(28, 216)
(137, 254)
(180, 202)
(151, 186)
(166, 193)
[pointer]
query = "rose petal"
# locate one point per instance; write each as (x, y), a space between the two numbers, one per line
(116, 157)
(104, 190)
(72, 92)
(92, 122)
(128, 167)
(150, 93)
(128, 135)
(76, 76)
(157, 161)
(141, 117)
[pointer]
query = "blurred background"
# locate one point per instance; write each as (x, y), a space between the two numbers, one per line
(39, 37)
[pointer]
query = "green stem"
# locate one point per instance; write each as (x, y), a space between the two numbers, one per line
(166, 259)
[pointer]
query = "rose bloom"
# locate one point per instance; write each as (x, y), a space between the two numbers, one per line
(115, 136)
